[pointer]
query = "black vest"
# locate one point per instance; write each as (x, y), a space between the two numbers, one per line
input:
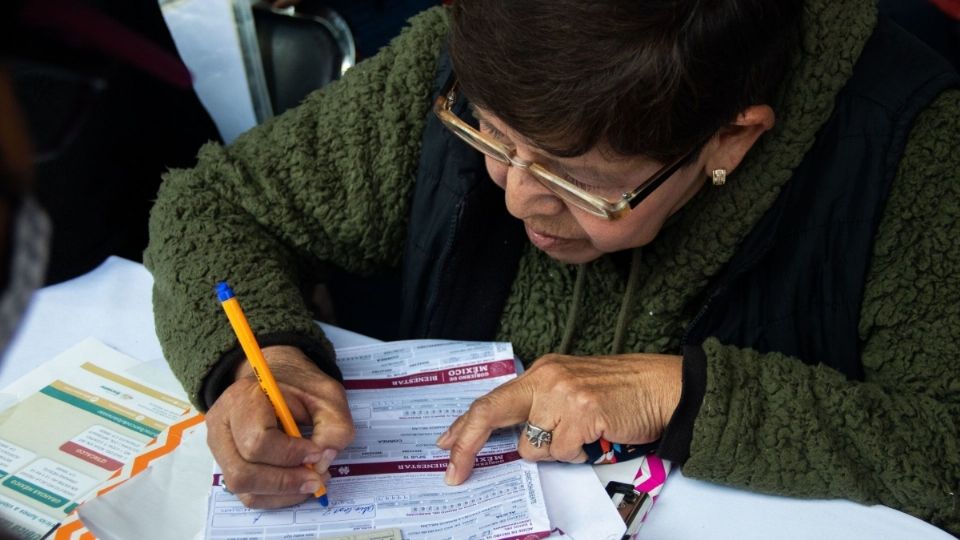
(796, 283)
(462, 247)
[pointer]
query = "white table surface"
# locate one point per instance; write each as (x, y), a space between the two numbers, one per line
(112, 303)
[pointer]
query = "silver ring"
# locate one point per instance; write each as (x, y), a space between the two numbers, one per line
(537, 435)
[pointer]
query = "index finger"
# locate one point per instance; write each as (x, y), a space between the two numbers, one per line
(505, 406)
(325, 403)
(251, 424)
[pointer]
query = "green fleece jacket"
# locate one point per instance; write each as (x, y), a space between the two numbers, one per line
(329, 183)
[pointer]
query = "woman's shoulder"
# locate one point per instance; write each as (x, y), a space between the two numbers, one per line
(424, 33)
(434, 19)
(941, 117)
(921, 215)
(930, 160)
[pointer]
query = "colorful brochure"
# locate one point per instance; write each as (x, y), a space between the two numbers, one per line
(58, 445)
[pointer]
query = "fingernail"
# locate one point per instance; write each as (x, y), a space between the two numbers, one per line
(443, 437)
(310, 486)
(326, 458)
(312, 458)
(451, 472)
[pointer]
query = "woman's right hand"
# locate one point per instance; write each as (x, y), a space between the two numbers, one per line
(261, 464)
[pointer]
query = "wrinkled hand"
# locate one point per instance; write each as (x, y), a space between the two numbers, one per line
(625, 399)
(261, 464)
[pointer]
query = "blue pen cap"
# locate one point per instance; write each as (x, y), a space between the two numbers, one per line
(224, 292)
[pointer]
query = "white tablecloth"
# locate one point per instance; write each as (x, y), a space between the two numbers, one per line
(112, 304)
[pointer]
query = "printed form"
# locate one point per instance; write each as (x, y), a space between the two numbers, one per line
(403, 395)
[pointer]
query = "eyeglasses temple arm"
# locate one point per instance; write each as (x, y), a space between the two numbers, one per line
(637, 196)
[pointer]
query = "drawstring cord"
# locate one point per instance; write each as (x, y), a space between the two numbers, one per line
(633, 280)
(574, 310)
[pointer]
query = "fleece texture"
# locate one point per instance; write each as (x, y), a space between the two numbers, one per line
(329, 183)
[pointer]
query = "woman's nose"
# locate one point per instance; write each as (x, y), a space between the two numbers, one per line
(525, 196)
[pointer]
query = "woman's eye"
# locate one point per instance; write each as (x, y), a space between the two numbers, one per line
(579, 184)
(491, 130)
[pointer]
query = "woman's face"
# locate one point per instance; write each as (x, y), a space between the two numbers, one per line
(567, 233)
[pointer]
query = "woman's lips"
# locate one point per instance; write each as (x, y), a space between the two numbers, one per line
(545, 241)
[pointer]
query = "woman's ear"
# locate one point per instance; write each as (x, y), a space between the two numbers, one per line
(733, 141)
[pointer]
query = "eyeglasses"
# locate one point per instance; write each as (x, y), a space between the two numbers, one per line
(507, 154)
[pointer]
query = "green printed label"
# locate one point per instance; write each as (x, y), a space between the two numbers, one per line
(3, 473)
(34, 491)
(100, 411)
(70, 508)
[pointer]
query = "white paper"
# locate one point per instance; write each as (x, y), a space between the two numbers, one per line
(579, 507)
(65, 362)
(164, 502)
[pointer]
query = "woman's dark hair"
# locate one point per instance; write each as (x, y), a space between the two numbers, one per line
(642, 77)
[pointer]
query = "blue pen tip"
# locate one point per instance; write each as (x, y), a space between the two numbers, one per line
(324, 501)
(224, 292)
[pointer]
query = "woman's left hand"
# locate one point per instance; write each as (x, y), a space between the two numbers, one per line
(624, 399)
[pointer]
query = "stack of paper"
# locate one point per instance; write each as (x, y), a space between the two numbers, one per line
(403, 395)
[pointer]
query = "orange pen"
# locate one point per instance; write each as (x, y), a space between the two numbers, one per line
(259, 364)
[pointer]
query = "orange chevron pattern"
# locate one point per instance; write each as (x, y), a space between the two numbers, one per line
(74, 529)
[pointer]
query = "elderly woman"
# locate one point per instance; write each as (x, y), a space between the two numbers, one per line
(725, 231)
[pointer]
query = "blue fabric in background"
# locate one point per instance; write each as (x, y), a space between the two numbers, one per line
(375, 22)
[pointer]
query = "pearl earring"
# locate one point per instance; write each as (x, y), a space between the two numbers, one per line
(719, 177)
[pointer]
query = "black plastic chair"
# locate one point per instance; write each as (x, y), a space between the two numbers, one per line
(298, 51)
